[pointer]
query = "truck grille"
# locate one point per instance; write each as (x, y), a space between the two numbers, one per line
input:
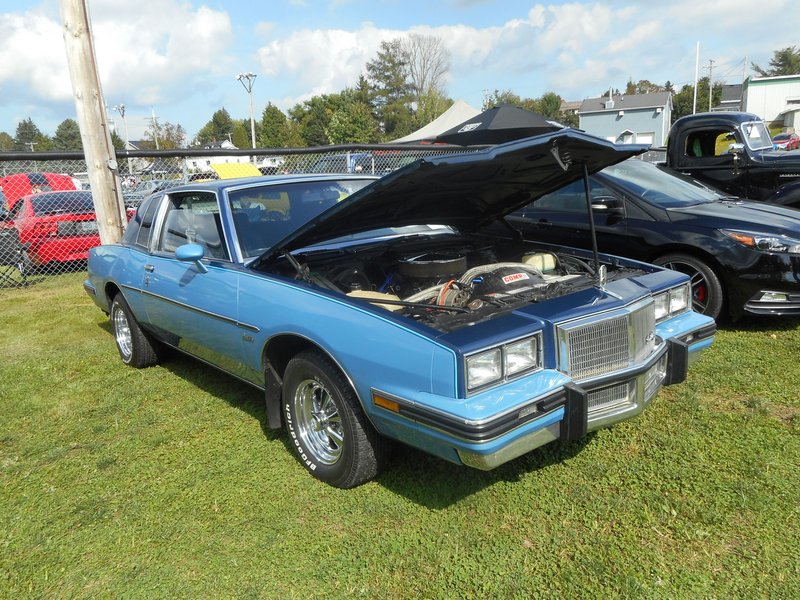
(591, 347)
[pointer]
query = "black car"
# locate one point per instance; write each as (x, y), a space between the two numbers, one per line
(743, 257)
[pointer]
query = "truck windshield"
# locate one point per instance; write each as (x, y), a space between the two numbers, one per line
(756, 135)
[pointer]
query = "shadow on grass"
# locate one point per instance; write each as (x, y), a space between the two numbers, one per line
(422, 478)
(765, 323)
(437, 484)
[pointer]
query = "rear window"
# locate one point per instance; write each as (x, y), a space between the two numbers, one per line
(59, 204)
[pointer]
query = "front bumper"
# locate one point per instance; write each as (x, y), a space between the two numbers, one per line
(561, 410)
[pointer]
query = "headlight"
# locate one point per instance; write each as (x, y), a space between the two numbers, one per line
(484, 368)
(672, 302)
(764, 241)
(497, 364)
(521, 356)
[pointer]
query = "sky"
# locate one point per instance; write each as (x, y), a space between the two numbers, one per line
(178, 59)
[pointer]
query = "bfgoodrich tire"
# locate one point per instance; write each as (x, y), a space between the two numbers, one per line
(136, 348)
(327, 429)
(707, 294)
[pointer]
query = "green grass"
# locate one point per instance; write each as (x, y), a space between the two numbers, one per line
(163, 483)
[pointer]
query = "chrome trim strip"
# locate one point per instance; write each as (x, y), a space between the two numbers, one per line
(200, 311)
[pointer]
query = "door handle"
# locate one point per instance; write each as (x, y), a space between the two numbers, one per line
(149, 268)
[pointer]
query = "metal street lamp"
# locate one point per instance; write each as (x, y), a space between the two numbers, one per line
(247, 79)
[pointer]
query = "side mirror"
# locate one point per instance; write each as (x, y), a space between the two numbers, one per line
(606, 204)
(192, 253)
(736, 149)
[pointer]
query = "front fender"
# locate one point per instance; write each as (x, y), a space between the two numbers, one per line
(787, 195)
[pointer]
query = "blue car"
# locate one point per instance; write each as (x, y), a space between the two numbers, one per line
(373, 311)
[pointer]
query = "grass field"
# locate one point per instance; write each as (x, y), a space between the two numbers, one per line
(164, 483)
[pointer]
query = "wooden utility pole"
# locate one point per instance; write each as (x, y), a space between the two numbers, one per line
(90, 106)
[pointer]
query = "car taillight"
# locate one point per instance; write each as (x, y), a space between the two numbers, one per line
(45, 229)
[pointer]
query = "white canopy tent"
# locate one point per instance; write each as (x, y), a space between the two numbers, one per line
(458, 113)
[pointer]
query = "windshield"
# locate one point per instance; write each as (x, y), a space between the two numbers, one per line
(265, 214)
(756, 135)
(61, 203)
(657, 186)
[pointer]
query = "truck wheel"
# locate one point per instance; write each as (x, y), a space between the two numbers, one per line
(707, 294)
(327, 428)
(136, 348)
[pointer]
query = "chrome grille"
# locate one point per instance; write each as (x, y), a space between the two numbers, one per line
(598, 348)
(591, 347)
(610, 397)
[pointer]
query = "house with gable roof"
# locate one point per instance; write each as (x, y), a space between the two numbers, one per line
(628, 118)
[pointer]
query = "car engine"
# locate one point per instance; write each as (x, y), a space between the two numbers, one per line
(453, 286)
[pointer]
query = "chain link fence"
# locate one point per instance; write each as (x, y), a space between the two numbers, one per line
(47, 219)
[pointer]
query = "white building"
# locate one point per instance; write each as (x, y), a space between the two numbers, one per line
(775, 99)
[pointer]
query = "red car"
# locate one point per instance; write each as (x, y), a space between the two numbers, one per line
(18, 185)
(56, 226)
(786, 141)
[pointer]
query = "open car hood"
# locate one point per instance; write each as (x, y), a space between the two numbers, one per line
(464, 191)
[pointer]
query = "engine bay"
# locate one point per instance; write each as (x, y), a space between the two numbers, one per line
(448, 285)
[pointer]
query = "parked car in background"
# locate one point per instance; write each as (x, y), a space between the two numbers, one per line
(786, 141)
(377, 310)
(143, 189)
(733, 152)
(56, 227)
(742, 257)
(18, 185)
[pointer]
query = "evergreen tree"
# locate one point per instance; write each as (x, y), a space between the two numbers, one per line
(274, 130)
(29, 138)
(389, 78)
(217, 129)
(785, 61)
(68, 136)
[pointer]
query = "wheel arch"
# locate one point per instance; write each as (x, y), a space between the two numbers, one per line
(700, 254)
(275, 356)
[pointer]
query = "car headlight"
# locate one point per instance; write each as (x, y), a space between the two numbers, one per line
(508, 360)
(521, 356)
(484, 368)
(764, 241)
(672, 302)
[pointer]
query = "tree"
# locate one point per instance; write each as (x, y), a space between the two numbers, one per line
(240, 133)
(682, 101)
(169, 136)
(785, 61)
(550, 105)
(312, 118)
(392, 92)
(29, 138)
(116, 141)
(428, 63)
(6, 142)
(217, 129)
(352, 123)
(643, 86)
(68, 136)
(430, 106)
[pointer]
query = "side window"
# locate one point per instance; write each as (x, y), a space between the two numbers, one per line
(572, 198)
(193, 218)
(709, 144)
(16, 209)
(138, 230)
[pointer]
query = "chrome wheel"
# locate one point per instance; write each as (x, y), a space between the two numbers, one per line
(122, 333)
(319, 424)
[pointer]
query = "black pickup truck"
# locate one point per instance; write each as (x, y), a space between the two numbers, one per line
(732, 151)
